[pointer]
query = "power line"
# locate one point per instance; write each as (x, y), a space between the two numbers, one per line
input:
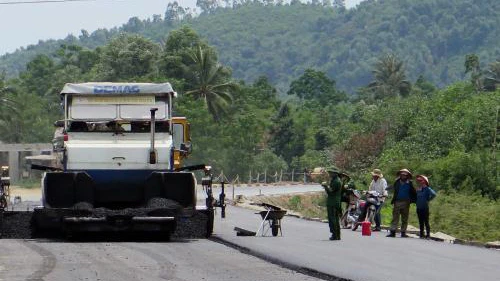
(42, 2)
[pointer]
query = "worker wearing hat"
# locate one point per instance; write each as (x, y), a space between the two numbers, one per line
(424, 194)
(333, 191)
(404, 195)
(378, 184)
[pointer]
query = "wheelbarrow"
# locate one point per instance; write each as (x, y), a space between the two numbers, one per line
(271, 219)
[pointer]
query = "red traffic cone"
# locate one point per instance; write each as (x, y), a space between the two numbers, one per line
(366, 228)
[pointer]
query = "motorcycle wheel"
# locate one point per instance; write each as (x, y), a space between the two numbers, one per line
(371, 216)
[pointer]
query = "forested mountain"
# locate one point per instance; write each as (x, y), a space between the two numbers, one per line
(281, 41)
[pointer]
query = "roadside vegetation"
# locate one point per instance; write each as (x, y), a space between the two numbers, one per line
(469, 217)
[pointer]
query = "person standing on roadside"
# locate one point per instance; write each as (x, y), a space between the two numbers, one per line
(346, 184)
(378, 184)
(404, 195)
(424, 194)
(334, 210)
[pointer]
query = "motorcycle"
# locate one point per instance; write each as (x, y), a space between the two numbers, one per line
(353, 210)
(373, 199)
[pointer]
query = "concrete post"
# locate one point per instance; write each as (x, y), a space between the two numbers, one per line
(14, 170)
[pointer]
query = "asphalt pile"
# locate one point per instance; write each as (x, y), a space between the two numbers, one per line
(15, 225)
(191, 227)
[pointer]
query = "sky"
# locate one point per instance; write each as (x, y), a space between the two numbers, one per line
(25, 24)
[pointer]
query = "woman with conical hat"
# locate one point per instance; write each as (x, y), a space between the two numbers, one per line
(424, 194)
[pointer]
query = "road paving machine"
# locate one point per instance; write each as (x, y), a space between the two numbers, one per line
(119, 153)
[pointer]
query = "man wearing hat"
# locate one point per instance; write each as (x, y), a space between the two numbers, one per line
(404, 195)
(333, 191)
(378, 184)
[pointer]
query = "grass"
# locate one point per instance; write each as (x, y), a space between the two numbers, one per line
(29, 183)
(312, 205)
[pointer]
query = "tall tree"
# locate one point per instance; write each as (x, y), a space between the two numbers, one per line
(207, 6)
(8, 111)
(315, 85)
(389, 78)
(176, 56)
(39, 75)
(286, 140)
(210, 81)
(473, 67)
(127, 57)
(492, 76)
(5, 101)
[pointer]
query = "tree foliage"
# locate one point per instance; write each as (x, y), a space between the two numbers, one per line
(315, 85)
(210, 82)
(389, 78)
(447, 133)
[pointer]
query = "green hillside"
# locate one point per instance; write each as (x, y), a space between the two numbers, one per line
(281, 41)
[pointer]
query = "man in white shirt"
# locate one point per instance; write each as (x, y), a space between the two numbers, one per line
(378, 184)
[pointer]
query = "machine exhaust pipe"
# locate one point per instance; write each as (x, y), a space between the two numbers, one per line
(152, 151)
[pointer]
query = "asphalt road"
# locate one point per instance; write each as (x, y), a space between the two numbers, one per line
(23, 260)
(38, 260)
(305, 244)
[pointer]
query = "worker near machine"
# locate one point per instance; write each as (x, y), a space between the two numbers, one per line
(333, 190)
(404, 195)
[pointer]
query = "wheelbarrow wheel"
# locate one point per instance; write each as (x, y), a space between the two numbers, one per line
(274, 227)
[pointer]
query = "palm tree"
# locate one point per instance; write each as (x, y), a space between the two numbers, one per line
(210, 81)
(389, 78)
(8, 112)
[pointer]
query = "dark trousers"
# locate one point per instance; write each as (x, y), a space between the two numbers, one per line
(423, 220)
(377, 215)
(334, 214)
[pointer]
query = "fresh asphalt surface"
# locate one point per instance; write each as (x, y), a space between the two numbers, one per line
(304, 244)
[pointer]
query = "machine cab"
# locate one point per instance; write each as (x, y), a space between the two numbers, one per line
(182, 140)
